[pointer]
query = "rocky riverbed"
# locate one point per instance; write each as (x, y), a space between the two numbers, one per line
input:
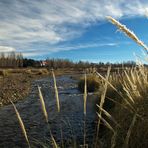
(69, 120)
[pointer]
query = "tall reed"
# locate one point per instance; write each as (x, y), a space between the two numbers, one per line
(128, 32)
(55, 145)
(85, 101)
(101, 105)
(21, 124)
(43, 104)
(126, 143)
(56, 92)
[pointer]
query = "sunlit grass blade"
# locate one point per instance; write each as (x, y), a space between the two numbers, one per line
(128, 32)
(85, 100)
(108, 115)
(106, 123)
(55, 145)
(85, 94)
(56, 92)
(43, 104)
(21, 124)
(129, 132)
(102, 103)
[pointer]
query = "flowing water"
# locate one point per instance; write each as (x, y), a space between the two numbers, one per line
(66, 126)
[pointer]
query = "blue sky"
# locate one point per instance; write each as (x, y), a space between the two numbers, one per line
(77, 30)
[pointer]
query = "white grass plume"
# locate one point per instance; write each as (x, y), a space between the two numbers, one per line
(128, 32)
(43, 104)
(101, 105)
(85, 94)
(56, 91)
(21, 124)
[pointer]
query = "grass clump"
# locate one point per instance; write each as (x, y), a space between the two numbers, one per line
(37, 71)
(3, 73)
(131, 114)
(93, 83)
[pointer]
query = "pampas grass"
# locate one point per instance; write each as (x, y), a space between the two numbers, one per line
(101, 105)
(85, 100)
(21, 124)
(85, 94)
(56, 92)
(129, 132)
(43, 104)
(108, 115)
(128, 32)
(55, 145)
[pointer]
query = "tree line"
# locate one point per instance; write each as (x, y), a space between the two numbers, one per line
(11, 60)
(66, 63)
(16, 60)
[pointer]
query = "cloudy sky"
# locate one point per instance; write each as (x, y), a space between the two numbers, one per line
(74, 29)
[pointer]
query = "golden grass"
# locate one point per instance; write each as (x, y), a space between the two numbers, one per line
(128, 32)
(101, 105)
(4, 73)
(85, 101)
(129, 132)
(93, 83)
(56, 92)
(55, 145)
(85, 94)
(21, 124)
(43, 104)
(135, 87)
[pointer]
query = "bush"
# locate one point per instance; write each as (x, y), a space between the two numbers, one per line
(37, 71)
(3, 73)
(93, 84)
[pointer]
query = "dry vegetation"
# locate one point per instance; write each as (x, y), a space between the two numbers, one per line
(93, 83)
(15, 84)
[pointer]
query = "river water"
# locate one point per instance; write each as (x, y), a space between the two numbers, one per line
(66, 126)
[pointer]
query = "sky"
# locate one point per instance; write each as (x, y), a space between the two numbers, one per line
(72, 29)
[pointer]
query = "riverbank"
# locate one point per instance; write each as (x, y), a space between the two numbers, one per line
(15, 84)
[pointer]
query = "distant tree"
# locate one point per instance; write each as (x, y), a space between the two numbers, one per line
(11, 59)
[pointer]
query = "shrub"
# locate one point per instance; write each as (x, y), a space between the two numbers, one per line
(37, 71)
(93, 84)
(3, 73)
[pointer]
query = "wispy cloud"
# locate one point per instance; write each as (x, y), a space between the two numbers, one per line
(24, 23)
(35, 52)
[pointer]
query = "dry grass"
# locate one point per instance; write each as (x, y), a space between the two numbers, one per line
(93, 83)
(4, 73)
(101, 106)
(85, 94)
(56, 92)
(21, 125)
(135, 88)
(128, 32)
(43, 104)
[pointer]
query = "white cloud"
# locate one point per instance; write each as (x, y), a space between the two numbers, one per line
(6, 49)
(25, 23)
